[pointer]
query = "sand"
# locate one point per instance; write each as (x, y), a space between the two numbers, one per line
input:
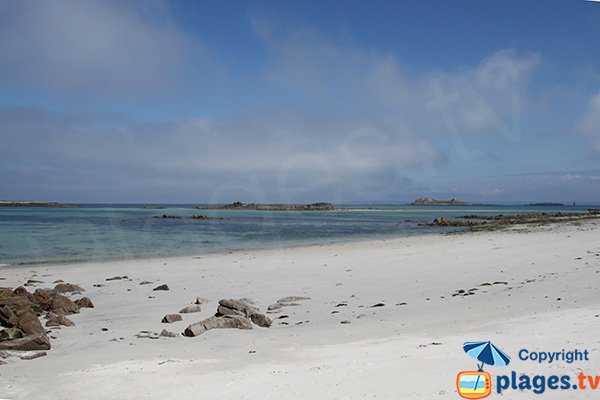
(545, 298)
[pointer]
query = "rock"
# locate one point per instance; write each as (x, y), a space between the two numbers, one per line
(274, 307)
(32, 282)
(58, 281)
(8, 317)
(229, 311)
(290, 299)
(6, 292)
(378, 305)
(166, 333)
(84, 302)
(63, 305)
(239, 307)
(20, 291)
(170, 318)
(147, 335)
(145, 283)
(117, 278)
(261, 320)
(226, 321)
(58, 320)
(190, 309)
(43, 298)
(34, 335)
(33, 355)
(68, 288)
(11, 334)
(201, 300)
(161, 287)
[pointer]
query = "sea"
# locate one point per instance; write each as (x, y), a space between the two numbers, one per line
(125, 231)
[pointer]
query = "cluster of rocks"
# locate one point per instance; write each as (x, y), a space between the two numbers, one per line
(20, 313)
(165, 216)
(492, 221)
(238, 314)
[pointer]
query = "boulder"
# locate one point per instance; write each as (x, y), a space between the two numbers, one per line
(20, 291)
(6, 292)
(58, 320)
(43, 298)
(190, 309)
(84, 302)
(68, 288)
(63, 305)
(7, 317)
(226, 321)
(161, 287)
(201, 300)
(241, 308)
(25, 319)
(261, 320)
(170, 318)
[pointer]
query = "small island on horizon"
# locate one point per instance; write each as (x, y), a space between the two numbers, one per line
(428, 201)
(12, 203)
(238, 205)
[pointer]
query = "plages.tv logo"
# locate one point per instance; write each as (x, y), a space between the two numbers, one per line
(478, 384)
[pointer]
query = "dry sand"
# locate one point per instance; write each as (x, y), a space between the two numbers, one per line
(546, 297)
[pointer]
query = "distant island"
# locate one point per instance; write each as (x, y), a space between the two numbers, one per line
(270, 207)
(546, 204)
(428, 201)
(10, 203)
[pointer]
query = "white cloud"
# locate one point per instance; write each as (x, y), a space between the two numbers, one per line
(98, 46)
(589, 125)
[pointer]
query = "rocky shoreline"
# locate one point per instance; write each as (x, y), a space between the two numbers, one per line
(499, 221)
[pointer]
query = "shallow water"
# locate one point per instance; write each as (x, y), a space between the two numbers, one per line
(91, 232)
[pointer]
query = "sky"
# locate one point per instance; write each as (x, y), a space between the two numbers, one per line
(287, 101)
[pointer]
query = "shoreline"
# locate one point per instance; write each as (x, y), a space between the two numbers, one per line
(380, 313)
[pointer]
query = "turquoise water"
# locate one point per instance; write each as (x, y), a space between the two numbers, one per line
(92, 232)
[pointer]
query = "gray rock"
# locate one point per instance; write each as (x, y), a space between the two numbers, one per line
(68, 288)
(242, 308)
(84, 302)
(190, 309)
(146, 283)
(33, 355)
(64, 305)
(224, 322)
(166, 333)
(161, 287)
(290, 299)
(170, 318)
(58, 320)
(201, 300)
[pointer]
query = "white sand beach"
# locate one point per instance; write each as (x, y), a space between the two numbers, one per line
(542, 295)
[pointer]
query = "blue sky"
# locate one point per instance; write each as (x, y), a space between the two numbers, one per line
(186, 101)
